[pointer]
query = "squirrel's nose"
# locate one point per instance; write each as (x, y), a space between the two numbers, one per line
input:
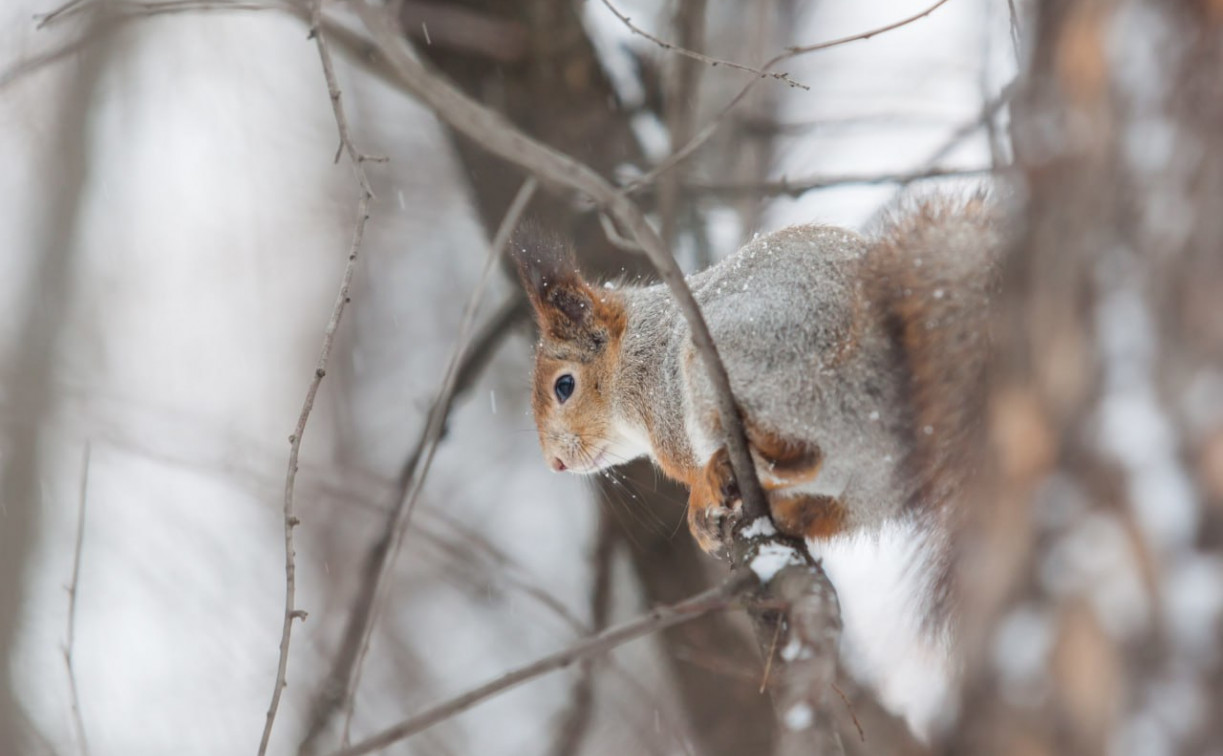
(557, 464)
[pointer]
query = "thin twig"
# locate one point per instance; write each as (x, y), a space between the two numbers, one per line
(797, 187)
(355, 158)
(114, 13)
(852, 714)
(136, 8)
(1016, 44)
(804, 49)
(341, 685)
(576, 722)
(295, 440)
(708, 130)
(469, 549)
(497, 326)
(291, 520)
(989, 110)
(768, 661)
(720, 597)
(433, 434)
(616, 238)
(682, 89)
(997, 154)
(46, 18)
(760, 72)
(35, 63)
(78, 722)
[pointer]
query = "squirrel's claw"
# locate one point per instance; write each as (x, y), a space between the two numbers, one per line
(713, 500)
(707, 523)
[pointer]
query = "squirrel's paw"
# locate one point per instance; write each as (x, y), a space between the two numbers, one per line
(713, 501)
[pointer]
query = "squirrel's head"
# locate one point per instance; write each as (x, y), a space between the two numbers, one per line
(580, 330)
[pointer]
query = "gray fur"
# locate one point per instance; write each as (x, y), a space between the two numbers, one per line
(805, 339)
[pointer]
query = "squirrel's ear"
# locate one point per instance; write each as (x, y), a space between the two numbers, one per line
(559, 295)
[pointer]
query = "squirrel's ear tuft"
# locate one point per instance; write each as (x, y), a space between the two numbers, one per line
(546, 264)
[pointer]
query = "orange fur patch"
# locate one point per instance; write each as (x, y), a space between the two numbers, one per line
(781, 461)
(808, 515)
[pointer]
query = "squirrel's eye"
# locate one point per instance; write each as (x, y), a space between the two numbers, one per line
(564, 387)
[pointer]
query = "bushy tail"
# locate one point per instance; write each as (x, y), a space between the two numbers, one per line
(930, 275)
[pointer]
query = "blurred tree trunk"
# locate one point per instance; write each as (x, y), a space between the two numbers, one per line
(1107, 411)
(32, 359)
(546, 78)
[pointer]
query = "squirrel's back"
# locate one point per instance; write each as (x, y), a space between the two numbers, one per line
(871, 347)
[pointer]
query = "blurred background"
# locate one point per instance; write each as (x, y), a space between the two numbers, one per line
(174, 228)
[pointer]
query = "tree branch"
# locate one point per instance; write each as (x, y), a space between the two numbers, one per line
(804, 49)
(797, 616)
(707, 131)
(295, 440)
(401, 517)
(78, 722)
(576, 722)
(715, 62)
(720, 597)
(341, 684)
(798, 187)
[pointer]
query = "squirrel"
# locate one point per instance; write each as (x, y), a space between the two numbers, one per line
(857, 364)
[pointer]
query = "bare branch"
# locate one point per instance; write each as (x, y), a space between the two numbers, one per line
(720, 597)
(797, 187)
(341, 685)
(681, 91)
(355, 158)
(37, 62)
(511, 313)
(576, 723)
(989, 110)
(295, 440)
(795, 609)
(401, 518)
(116, 12)
(46, 18)
(762, 73)
(707, 131)
(137, 8)
(78, 722)
(808, 656)
(986, 116)
(804, 49)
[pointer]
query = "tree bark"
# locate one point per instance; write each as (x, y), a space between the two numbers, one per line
(1108, 323)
